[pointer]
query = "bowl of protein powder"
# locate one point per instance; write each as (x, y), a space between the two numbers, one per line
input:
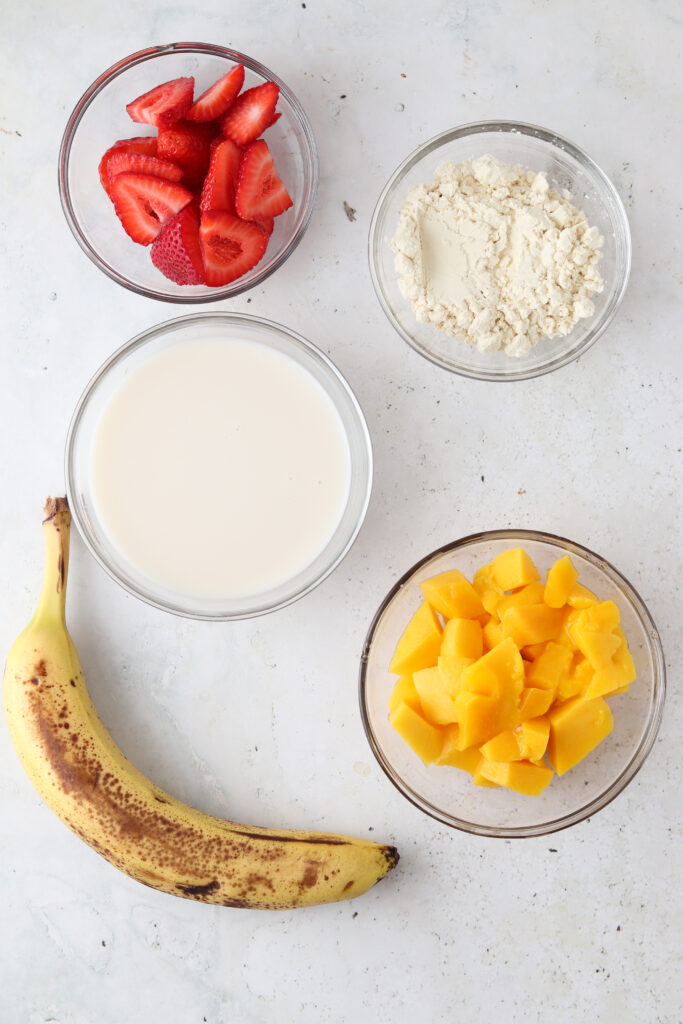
(500, 250)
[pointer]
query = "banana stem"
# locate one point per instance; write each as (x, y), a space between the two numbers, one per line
(57, 526)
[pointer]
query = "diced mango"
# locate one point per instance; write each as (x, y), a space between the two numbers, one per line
(420, 643)
(532, 593)
(425, 739)
(452, 670)
(599, 648)
(534, 702)
(522, 776)
(532, 738)
(452, 595)
(489, 592)
(513, 569)
(602, 617)
(499, 674)
(576, 728)
(477, 717)
(478, 779)
(404, 691)
(503, 747)
(548, 671)
(492, 634)
(581, 597)
(450, 755)
(532, 624)
(462, 638)
(559, 583)
(578, 679)
(437, 702)
(614, 677)
(532, 651)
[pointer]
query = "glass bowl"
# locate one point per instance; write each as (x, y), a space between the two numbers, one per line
(448, 794)
(566, 167)
(214, 327)
(99, 119)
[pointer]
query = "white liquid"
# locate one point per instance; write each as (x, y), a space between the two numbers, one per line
(220, 469)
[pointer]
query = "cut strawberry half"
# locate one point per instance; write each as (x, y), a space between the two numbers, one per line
(260, 192)
(146, 145)
(216, 100)
(188, 145)
(176, 251)
(267, 223)
(230, 246)
(218, 192)
(165, 104)
(251, 114)
(138, 163)
(144, 204)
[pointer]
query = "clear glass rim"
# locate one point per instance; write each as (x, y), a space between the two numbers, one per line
(100, 83)
(119, 356)
(628, 772)
(519, 128)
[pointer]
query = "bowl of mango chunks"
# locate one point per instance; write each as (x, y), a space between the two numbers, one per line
(512, 683)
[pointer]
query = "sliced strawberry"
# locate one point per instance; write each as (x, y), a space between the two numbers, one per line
(260, 192)
(138, 163)
(267, 223)
(274, 118)
(251, 113)
(189, 145)
(216, 100)
(230, 246)
(146, 145)
(144, 204)
(164, 105)
(218, 192)
(176, 251)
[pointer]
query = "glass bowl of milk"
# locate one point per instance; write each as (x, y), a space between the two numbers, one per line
(218, 466)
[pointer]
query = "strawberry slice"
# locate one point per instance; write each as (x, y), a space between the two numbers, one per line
(165, 104)
(144, 204)
(251, 113)
(216, 100)
(230, 246)
(267, 223)
(138, 163)
(176, 251)
(260, 192)
(218, 192)
(188, 145)
(146, 145)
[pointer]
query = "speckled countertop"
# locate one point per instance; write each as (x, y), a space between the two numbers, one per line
(259, 720)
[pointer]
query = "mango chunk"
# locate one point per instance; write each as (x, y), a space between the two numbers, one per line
(503, 747)
(492, 634)
(452, 595)
(478, 779)
(532, 624)
(438, 705)
(532, 593)
(614, 677)
(532, 738)
(488, 590)
(534, 702)
(598, 648)
(577, 681)
(424, 738)
(420, 643)
(478, 717)
(550, 668)
(522, 776)
(513, 569)
(576, 728)
(404, 690)
(559, 582)
(532, 651)
(602, 617)
(462, 638)
(452, 756)
(581, 597)
(452, 670)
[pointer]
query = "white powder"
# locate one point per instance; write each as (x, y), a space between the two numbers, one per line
(489, 253)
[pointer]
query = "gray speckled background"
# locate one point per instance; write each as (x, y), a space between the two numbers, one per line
(259, 720)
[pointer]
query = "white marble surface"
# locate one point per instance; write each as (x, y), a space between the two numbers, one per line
(259, 720)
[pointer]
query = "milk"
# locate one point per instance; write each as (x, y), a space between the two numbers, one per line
(220, 469)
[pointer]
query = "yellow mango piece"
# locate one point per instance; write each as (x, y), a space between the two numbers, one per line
(425, 739)
(522, 776)
(452, 756)
(548, 670)
(602, 617)
(437, 703)
(599, 648)
(532, 624)
(503, 747)
(534, 702)
(581, 597)
(452, 595)
(565, 636)
(513, 569)
(488, 590)
(532, 651)
(404, 691)
(478, 779)
(420, 643)
(477, 717)
(532, 738)
(623, 657)
(576, 728)
(532, 593)
(492, 634)
(498, 675)
(560, 582)
(614, 677)
(452, 669)
(462, 638)
(578, 679)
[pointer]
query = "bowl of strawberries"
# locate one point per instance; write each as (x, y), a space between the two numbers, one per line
(188, 173)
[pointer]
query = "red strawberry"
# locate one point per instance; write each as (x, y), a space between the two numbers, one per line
(274, 118)
(260, 192)
(251, 113)
(216, 100)
(230, 246)
(138, 163)
(144, 204)
(146, 145)
(267, 223)
(218, 192)
(164, 105)
(176, 252)
(189, 145)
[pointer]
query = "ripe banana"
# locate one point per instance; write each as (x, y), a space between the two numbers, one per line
(82, 775)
